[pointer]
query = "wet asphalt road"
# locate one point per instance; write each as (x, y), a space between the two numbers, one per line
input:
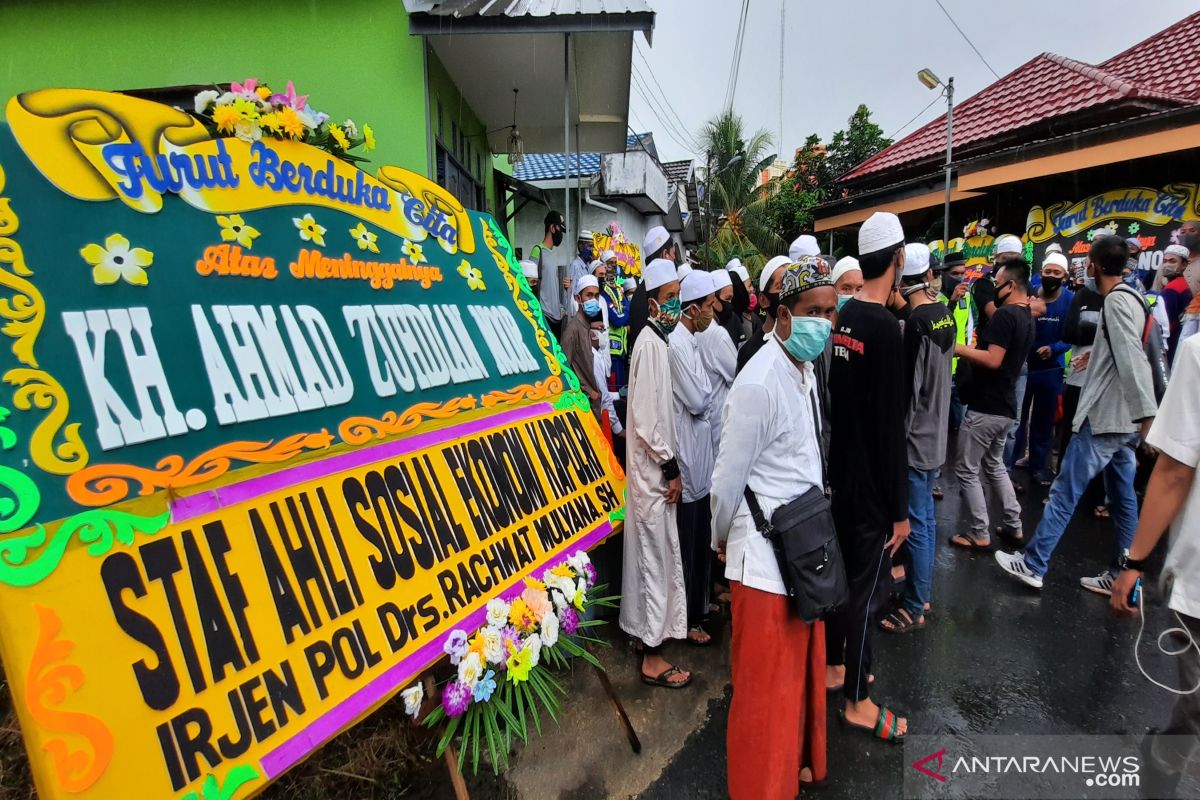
(995, 658)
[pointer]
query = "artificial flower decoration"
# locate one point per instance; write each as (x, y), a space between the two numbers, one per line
(116, 260)
(504, 675)
(366, 240)
(414, 252)
(249, 110)
(310, 231)
(474, 276)
(413, 697)
(235, 229)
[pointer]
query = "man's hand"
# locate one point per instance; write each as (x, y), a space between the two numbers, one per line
(959, 292)
(960, 348)
(1147, 448)
(1037, 307)
(721, 552)
(1044, 352)
(900, 531)
(566, 283)
(1119, 602)
(1080, 362)
(674, 490)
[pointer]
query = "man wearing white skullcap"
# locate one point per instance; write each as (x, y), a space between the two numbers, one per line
(630, 286)
(657, 244)
(653, 597)
(732, 263)
(577, 338)
(983, 291)
(616, 320)
(530, 270)
(868, 465)
(805, 245)
(684, 270)
(693, 405)
(768, 294)
(1175, 294)
(929, 338)
(847, 279)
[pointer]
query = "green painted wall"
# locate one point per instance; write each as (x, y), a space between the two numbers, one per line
(470, 146)
(353, 57)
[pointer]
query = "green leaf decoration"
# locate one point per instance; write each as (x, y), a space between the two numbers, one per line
(26, 560)
(238, 776)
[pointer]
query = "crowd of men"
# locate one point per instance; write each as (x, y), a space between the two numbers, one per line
(852, 377)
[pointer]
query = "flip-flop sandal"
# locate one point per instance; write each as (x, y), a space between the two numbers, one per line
(961, 540)
(901, 622)
(885, 727)
(698, 642)
(663, 679)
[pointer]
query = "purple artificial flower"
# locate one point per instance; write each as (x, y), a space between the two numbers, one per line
(510, 639)
(590, 572)
(568, 621)
(456, 646)
(455, 698)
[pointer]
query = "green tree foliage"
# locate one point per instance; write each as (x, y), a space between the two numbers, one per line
(812, 178)
(736, 206)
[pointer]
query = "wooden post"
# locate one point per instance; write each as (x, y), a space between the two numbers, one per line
(451, 754)
(630, 734)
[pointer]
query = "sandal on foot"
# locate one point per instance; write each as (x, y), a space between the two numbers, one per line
(663, 679)
(885, 727)
(966, 541)
(901, 622)
(705, 642)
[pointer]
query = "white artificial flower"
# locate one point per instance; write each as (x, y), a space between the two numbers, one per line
(413, 696)
(559, 599)
(350, 128)
(534, 645)
(227, 98)
(497, 613)
(578, 561)
(581, 584)
(470, 669)
(549, 629)
(247, 131)
(206, 99)
(493, 646)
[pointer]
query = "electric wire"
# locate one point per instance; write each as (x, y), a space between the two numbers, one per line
(967, 39)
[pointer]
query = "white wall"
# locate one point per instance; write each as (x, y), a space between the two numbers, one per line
(529, 228)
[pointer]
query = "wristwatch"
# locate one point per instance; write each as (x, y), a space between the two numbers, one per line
(1125, 562)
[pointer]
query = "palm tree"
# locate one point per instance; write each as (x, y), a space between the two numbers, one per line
(735, 202)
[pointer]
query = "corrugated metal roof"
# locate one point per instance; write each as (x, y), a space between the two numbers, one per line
(549, 166)
(678, 171)
(1161, 72)
(524, 8)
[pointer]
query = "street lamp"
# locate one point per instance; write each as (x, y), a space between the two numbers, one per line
(931, 81)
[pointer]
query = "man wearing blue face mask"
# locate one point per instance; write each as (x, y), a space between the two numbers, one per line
(577, 338)
(770, 443)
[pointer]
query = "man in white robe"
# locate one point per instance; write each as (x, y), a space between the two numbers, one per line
(719, 354)
(694, 408)
(653, 598)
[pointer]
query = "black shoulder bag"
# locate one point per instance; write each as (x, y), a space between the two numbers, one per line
(805, 543)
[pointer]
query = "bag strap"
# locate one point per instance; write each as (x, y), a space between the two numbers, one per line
(760, 522)
(818, 423)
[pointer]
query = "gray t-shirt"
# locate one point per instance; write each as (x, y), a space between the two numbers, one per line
(929, 336)
(549, 284)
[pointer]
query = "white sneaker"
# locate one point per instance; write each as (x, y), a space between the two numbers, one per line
(1101, 584)
(1014, 564)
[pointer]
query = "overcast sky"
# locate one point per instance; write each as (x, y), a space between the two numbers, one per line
(846, 52)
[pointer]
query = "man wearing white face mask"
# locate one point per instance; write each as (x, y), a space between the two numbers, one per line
(576, 339)
(694, 396)
(770, 445)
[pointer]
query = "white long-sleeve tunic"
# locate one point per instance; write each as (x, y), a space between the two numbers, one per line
(653, 602)
(693, 394)
(719, 356)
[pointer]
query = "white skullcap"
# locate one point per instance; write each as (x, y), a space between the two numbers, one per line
(1007, 243)
(882, 229)
(805, 245)
(774, 265)
(845, 264)
(586, 236)
(656, 237)
(720, 279)
(630, 283)
(1177, 250)
(530, 270)
(585, 281)
(1057, 259)
(683, 270)
(607, 255)
(696, 285)
(916, 259)
(733, 264)
(658, 272)
(741, 272)
(595, 265)
(1054, 247)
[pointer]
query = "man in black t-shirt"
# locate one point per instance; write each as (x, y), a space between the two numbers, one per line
(990, 395)
(868, 467)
